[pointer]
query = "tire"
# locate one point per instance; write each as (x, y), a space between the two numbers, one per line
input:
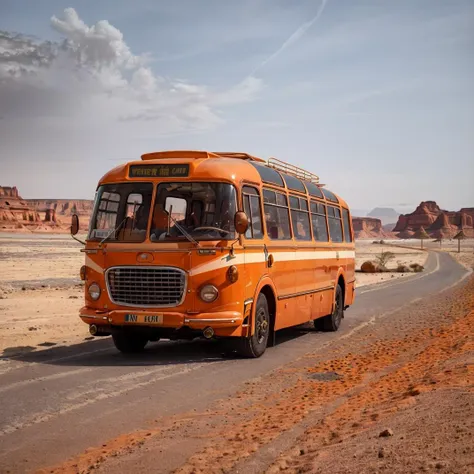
(332, 321)
(254, 346)
(129, 343)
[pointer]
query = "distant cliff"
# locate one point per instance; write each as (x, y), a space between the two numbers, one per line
(39, 215)
(369, 228)
(436, 222)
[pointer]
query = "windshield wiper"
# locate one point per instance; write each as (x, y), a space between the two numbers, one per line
(112, 231)
(182, 230)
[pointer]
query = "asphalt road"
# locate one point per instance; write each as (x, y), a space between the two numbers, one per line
(58, 402)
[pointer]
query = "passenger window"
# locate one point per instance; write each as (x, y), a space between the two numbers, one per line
(108, 211)
(177, 207)
(347, 226)
(251, 199)
(318, 219)
(300, 218)
(335, 224)
(277, 217)
(136, 212)
(300, 221)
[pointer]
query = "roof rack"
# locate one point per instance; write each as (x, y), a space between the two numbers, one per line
(242, 156)
(293, 170)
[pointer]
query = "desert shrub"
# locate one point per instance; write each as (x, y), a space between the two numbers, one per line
(384, 258)
(417, 268)
(403, 268)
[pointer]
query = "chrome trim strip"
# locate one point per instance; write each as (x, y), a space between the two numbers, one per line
(154, 267)
(213, 320)
(249, 301)
(309, 292)
(91, 317)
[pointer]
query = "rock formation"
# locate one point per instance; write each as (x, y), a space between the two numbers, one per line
(15, 213)
(33, 215)
(436, 222)
(369, 228)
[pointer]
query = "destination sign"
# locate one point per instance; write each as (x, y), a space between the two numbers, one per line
(158, 171)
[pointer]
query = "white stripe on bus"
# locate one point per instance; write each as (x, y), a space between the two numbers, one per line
(259, 257)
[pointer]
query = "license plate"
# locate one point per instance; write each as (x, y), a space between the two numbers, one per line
(144, 318)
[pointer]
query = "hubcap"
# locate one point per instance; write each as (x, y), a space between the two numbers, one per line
(262, 326)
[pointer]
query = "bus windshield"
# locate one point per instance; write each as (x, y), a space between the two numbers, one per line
(121, 212)
(204, 210)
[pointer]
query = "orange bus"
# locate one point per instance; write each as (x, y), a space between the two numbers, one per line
(186, 244)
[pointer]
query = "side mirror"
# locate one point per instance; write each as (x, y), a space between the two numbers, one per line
(74, 224)
(241, 222)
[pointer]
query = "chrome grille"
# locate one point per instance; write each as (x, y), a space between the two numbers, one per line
(146, 286)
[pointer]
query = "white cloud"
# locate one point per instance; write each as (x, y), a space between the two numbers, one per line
(93, 79)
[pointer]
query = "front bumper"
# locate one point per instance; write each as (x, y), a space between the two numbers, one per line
(165, 319)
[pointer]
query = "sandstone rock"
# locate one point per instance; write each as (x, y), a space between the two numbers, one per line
(386, 433)
(369, 228)
(369, 267)
(436, 222)
(18, 214)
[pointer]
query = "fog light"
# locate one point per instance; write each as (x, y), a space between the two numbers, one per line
(94, 291)
(233, 274)
(209, 293)
(83, 272)
(208, 333)
(93, 329)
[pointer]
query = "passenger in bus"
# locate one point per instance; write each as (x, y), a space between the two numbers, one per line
(141, 216)
(271, 218)
(159, 224)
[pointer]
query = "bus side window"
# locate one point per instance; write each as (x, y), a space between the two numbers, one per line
(335, 223)
(251, 198)
(318, 219)
(300, 218)
(277, 217)
(347, 227)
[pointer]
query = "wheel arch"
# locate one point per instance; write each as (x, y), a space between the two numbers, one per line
(265, 286)
(341, 281)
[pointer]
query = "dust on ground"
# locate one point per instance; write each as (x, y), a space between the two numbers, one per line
(395, 396)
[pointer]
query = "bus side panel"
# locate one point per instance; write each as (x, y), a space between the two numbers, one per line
(305, 281)
(283, 274)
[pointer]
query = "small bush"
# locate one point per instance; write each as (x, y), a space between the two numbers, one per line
(417, 268)
(403, 269)
(384, 258)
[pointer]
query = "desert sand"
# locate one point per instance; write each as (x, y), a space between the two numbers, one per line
(367, 250)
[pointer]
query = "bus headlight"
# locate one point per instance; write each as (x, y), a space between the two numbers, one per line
(94, 291)
(209, 293)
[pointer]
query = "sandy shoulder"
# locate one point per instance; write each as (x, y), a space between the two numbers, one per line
(33, 320)
(366, 250)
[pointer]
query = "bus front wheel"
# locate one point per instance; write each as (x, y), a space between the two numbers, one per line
(256, 345)
(128, 342)
(332, 321)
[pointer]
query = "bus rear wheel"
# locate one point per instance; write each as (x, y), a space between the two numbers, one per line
(128, 342)
(332, 321)
(256, 345)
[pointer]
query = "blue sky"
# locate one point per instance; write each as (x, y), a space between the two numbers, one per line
(376, 97)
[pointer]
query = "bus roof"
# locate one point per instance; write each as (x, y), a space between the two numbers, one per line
(205, 165)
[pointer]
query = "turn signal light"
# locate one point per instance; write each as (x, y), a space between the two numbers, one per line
(233, 274)
(83, 272)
